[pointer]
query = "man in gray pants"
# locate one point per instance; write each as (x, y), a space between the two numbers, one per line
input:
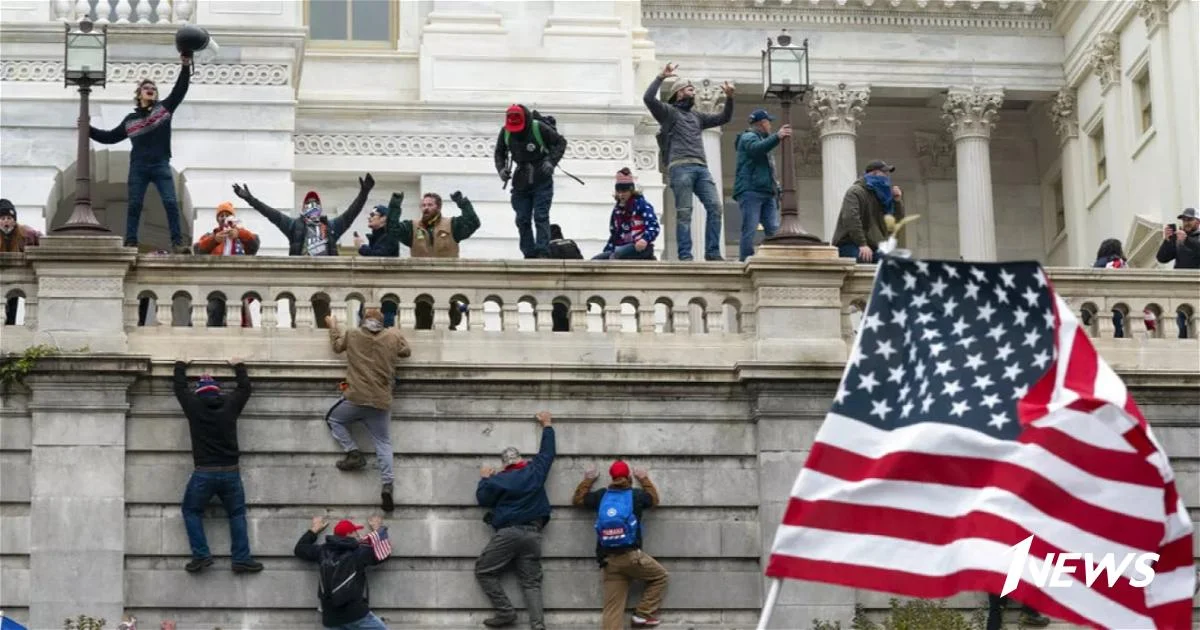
(519, 510)
(371, 352)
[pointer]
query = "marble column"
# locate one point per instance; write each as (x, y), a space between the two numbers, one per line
(1065, 117)
(1162, 82)
(836, 112)
(710, 99)
(971, 113)
(1105, 59)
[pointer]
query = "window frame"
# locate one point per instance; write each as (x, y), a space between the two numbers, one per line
(1099, 154)
(350, 42)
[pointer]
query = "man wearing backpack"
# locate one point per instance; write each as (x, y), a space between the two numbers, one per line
(536, 147)
(519, 510)
(342, 584)
(619, 544)
(681, 151)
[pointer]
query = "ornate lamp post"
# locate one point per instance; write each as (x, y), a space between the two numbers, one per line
(785, 76)
(85, 65)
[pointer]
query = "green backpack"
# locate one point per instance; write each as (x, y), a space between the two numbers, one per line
(538, 119)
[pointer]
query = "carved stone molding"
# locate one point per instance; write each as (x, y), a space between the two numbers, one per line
(645, 159)
(1154, 12)
(1064, 114)
(1105, 60)
(806, 147)
(837, 109)
(75, 286)
(710, 98)
(1026, 15)
(442, 146)
(799, 296)
(935, 152)
(128, 72)
(972, 112)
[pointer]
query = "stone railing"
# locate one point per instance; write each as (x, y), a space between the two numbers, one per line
(124, 11)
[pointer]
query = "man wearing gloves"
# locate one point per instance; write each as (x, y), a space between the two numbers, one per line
(435, 235)
(313, 233)
(380, 242)
(536, 147)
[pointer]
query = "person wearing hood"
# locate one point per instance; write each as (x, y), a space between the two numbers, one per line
(518, 511)
(633, 226)
(536, 148)
(754, 186)
(212, 417)
(381, 242)
(312, 233)
(435, 235)
(342, 588)
(371, 353)
(148, 129)
(687, 168)
(870, 211)
(619, 510)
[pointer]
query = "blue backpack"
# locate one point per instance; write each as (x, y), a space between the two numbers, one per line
(616, 523)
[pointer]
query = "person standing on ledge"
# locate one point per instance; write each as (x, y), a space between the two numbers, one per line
(435, 235)
(148, 129)
(536, 147)
(681, 147)
(212, 422)
(754, 186)
(870, 211)
(313, 233)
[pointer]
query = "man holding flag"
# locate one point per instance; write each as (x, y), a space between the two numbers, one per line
(342, 587)
(975, 413)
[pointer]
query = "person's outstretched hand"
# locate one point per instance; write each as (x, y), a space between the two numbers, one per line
(543, 418)
(366, 182)
(457, 196)
(242, 191)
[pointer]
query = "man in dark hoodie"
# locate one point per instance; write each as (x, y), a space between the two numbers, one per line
(619, 510)
(536, 147)
(687, 168)
(212, 422)
(342, 585)
(312, 234)
(519, 510)
(148, 129)
(870, 211)
(435, 235)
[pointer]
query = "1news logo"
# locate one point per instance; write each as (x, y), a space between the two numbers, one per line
(1053, 572)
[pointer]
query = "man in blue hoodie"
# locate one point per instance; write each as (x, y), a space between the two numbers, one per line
(519, 510)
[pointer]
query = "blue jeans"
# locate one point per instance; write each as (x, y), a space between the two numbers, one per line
(850, 250)
(533, 205)
(627, 252)
(228, 487)
(687, 179)
(141, 175)
(756, 208)
(370, 622)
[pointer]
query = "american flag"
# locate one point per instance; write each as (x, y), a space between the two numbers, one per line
(380, 543)
(973, 413)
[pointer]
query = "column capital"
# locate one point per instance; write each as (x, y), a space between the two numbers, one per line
(838, 109)
(1154, 12)
(972, 112)
(1064, 114)
(1105, 59)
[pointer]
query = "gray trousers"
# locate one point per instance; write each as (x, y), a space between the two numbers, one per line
(378, 423)
(521, 544)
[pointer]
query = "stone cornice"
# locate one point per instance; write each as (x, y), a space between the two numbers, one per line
(1113, 18)
(989, 15)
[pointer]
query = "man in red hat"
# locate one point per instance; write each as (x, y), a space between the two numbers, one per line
(342, 585)
(536, 147)
(619, 543)
(313, 233)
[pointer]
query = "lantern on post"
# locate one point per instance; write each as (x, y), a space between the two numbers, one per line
(85, 64)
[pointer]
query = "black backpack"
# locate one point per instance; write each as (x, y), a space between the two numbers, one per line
(342, 580)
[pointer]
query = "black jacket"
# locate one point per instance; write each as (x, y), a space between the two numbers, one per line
(1186, 254)
(533, 165)
(380, 243)
(308, 549)
(149, 129)
(212, 421)
(294, 229)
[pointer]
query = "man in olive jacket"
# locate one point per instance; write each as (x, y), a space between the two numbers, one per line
(870, 211)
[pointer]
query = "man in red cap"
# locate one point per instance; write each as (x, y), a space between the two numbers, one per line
(619, 543)
(536, 147)
(342, 585)
(313, 233)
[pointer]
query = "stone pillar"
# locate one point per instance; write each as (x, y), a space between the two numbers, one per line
(1065, 117)
(836, 112)
(1105, 59)
(971, 114)
(81, 292)
(710, 99)
(1165, 119)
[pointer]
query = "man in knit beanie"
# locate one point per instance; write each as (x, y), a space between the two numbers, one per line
(312, 233)
(14, 238)
(618, 511)
(212, 417)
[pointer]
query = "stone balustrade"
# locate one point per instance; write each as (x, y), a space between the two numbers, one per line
(124, 11)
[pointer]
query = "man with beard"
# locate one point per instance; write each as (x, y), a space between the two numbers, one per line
(536, 147)
(434, 236)
(312, 234)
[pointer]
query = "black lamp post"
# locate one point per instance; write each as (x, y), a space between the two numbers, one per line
(85, 65)
(785, 76)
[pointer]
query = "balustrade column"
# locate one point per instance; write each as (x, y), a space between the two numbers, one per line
(971, 114)
(1065, 117)
(510, 316)
(544, 317)
(681, 319)
(836, 112)
(612, 317)
(579, 316)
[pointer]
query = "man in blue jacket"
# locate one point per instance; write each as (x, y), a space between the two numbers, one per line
(519, 509)
(754, 185)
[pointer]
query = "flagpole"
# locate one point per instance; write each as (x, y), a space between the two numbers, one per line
(769, 607)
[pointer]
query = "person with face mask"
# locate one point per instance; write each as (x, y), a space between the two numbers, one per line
(435, 235)
(687, 168)
(633, 225)
(312, 233)
(870, 211)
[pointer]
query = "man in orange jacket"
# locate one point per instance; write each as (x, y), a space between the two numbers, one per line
(229, 238)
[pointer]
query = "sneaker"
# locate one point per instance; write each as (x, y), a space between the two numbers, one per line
(386, 498)
(501, 620)
(1034, 619)
(181, 249)
(645, 621)
(353, 460)
(247, 567)
(198, 564)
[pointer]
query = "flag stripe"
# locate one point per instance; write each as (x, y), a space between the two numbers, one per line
(1096, 461)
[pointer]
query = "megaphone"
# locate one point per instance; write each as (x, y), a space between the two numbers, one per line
(191, 39)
